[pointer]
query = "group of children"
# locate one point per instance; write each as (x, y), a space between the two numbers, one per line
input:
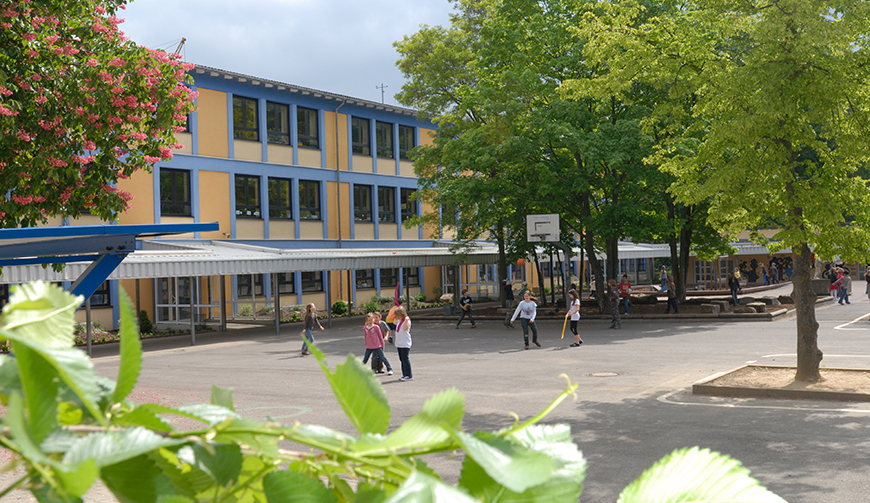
(397, 329)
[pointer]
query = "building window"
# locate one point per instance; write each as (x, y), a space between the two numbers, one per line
(175, 192)
(277, 123)
(249, 285)
(101, 296)
(309, 200)
(248, 196)
(412, 276)
(406, 141)
(306, 132)
(703, 271)
(384, 135)
(280, 204)
(386, 204)
(409, 204)
(362, 203)
(312, 281)
(286, 283)
(245, 119)
(389, 277)
(360, 137)
(365, 278)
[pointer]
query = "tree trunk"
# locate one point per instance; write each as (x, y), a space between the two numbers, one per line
(672, 244)
(502, 260)
(685, 249)
(612, 247)
(543, 295)
(808, 353)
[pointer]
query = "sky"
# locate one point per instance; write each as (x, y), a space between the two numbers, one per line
(340, 46)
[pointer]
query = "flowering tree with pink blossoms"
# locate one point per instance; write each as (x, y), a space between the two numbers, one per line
(80, 107)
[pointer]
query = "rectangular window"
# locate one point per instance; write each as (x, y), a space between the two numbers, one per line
(362, 203)
(285, 282)
(277, 123)
(101, 296)
(406, 141)
(249, 285)
(389, 278)
(360, 137)
(312, 281)
(412, 276)
(175, 192)
(384, 136)
(280, 204)
(306, 132)
(248, 196)
(409, 204)
(245, 119)
(703, 271)
(309, 200)
(365, 278)
(386, 204)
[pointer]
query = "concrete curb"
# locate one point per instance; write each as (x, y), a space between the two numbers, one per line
(706, 387)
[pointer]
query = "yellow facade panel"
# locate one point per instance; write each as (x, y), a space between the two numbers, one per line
(248, 150)
(309, 229)
(339, 210)
(430, 231)
(87, 220)
(280, 154)
(388, 231)
(214, 197)
(178, 220)
(249, 228)
(100, 316)
(427, 137)
(186, 140)
(309, 157)
(146, 294)
(319, 300)
(362, 164)
(432, 280)
(283, 229)
(412, 233)
(212, 123)
(386, 166)
(406, 168)
(364, 231)
(141, 185)
(331, 137)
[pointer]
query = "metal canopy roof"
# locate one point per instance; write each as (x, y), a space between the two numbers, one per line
(164, 258)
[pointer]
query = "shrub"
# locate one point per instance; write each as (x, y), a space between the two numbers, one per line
(339, 307)
(246, 310)
(420, 297)
(437, 291)
(79, 328)
(97, 324)
(267, 310)
(145, 325)
(372, 307)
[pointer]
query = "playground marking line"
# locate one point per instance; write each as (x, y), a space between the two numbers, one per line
(841, 327)
(666, 399)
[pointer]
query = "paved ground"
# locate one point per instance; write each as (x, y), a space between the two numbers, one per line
(804, 451)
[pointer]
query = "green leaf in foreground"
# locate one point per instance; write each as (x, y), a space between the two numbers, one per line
(43, 313)
(509, 464)
(293, 487)
(695, 474)
(131, 351)
(223, 397)
(360, 395)
(420, 488)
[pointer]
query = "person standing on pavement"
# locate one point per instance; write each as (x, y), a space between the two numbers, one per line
(764, 275)
(672, 297)
(867, 280)
(509, 301)
(663, 276)
(845, 283)
(527, 309)
(734, 285)
(374, 340)
(465, 306)
(391, 318)
(613, 298)
(625, 293)
(774, 273)
(834, 289)
(403, 342)
(309, 322)
(574, 314)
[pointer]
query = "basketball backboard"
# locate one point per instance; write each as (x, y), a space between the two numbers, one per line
(542, 228)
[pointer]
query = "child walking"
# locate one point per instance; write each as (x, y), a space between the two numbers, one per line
(377, 364)
(465, 304)
(529, 311)
(574, 314)
(374, 338)
(310, 321)
(403, 342)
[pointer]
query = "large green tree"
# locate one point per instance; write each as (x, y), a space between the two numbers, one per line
(80, 107)
(780, 91)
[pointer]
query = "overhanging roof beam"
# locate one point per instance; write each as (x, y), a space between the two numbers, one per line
(96, 274)
(71, 246)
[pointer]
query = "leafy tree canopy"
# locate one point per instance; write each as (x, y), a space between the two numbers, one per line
(80, 107)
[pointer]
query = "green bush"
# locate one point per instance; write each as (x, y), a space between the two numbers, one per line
(372, 307)
(339, 307)
(246, 310)
(145, 325)
(420, 297)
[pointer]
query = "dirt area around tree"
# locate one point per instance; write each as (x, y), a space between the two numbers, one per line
(846, 381)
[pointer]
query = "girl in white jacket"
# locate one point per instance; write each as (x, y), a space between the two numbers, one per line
(403, 342)
(527, 310)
